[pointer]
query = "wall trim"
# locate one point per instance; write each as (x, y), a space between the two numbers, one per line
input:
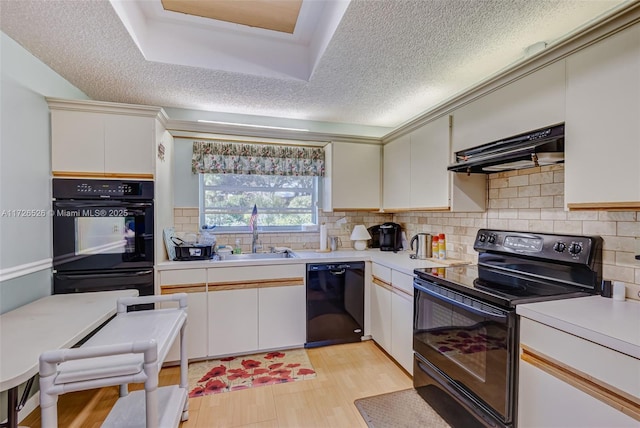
(25, 269)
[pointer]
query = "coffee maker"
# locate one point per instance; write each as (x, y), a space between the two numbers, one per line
(390, 237)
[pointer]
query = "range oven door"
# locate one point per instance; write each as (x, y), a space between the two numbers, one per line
(102, 234)
(469, 344)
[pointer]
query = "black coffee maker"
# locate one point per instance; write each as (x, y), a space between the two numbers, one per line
(390, 237)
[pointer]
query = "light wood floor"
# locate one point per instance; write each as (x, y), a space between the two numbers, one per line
(344, 374)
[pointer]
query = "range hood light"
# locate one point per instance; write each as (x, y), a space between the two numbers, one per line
(246, 125)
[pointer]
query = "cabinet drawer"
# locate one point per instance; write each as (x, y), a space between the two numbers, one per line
(402, 281)
(381, 272)
(255, 276)
(603, 364)
(183, 281)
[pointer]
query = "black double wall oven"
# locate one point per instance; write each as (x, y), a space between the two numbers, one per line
(103, 235)
(465, 337)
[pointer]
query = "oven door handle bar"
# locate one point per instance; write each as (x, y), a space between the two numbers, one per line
(500, 317)
(106, 275)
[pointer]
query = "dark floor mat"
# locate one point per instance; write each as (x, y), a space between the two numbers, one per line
(400, 409)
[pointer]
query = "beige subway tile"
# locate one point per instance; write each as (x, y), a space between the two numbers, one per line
(628, 228)
(582, 215)
(567, 227)
(508, 192)
(508, 213)
(190, 212)
(637, 280)
(519, 203)
(177, 212)
(599, 227)
(481, 223)
(618, 243)
(543, 226)
(552, 214)
(624, 258)
(552, 189)
(528, 191)
(519, 180)
(529, 214)
(192, 228)
(608, 257)
(499, 203)
(617, 215)
(556, 167)
(618, 273)
(541, 202)
(633, 291)
(541, 178)
(515, 224)
(497, 183)
(498, 224)
(558, 177)
(177, 228)
(181, 220)
(493, 213)
(558, 201)
(195, 219)
(468, 222)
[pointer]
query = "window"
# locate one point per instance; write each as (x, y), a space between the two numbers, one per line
(284, 203)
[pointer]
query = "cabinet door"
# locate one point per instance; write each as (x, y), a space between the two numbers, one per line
(129, 144)
(402, 329)
(282, 317)
(429, 160)
(603, 122)
(381, 316)
(193, 282)
(233, 321)
(77, 141)
(529, 103)
(396, 182)
(354, 181)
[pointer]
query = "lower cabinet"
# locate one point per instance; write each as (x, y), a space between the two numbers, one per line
(392, 314)
(281, 317)
(233, 321)
(566, 381)
(402, 329)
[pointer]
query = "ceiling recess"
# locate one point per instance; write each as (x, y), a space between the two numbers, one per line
(276, 15)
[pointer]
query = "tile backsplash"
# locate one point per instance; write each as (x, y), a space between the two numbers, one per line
(525, 200)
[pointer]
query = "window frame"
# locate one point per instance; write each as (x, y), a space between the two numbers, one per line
(315, 211)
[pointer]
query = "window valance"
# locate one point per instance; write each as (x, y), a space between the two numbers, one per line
(222, 157)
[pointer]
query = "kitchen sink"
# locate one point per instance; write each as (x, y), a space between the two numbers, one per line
(259, 256)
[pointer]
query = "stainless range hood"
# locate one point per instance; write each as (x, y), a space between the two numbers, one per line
(541, 147)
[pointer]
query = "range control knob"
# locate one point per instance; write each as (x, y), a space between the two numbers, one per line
(575, 248)
(482, 237)
(559, 246)
(492, 239)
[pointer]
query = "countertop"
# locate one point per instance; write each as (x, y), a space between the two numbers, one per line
(53, 322)
(601, 320)
(399, 261)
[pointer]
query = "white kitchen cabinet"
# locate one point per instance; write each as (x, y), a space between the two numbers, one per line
(352, 179)
(233, 321)
(396, 184)
(281, 317)
(402, 329)
(192, 282)
(98, 139)
(381, 314)
(531, 102)
(566, 381)
(602, 149)
(416, 176)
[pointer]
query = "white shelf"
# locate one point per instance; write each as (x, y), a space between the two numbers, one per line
(129, 411)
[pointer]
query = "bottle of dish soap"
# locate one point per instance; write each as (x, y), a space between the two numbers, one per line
(237, 249)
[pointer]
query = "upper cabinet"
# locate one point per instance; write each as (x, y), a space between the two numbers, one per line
(99, 139)
(531, 102)
(602, 144)
(416, 176)
(352, 180)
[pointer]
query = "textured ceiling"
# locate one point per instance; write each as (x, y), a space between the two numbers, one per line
(387, 62)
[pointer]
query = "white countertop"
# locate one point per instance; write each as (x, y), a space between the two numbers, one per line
(399, 261)
(53, 322)
(601, 320)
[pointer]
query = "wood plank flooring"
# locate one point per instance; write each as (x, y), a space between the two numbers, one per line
(344, 374)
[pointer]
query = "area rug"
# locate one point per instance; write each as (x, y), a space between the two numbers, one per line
(400, 409)
(247, 371)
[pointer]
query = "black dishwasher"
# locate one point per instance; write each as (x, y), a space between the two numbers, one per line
(335, 303)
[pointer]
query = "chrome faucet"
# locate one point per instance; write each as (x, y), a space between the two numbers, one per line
(254, 241)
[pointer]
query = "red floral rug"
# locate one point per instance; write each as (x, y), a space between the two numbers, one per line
(235, 373)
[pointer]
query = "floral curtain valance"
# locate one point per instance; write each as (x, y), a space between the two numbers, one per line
(220, 157)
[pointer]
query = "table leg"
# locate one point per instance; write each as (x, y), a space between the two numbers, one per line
(12, 409)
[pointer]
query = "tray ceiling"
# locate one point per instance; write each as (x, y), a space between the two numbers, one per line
(368, 66)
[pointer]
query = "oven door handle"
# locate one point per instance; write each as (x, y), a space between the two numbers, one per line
(103, 275)
(496, 317)
(101, 203)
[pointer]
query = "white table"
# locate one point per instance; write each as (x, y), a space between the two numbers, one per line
(53, 322)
